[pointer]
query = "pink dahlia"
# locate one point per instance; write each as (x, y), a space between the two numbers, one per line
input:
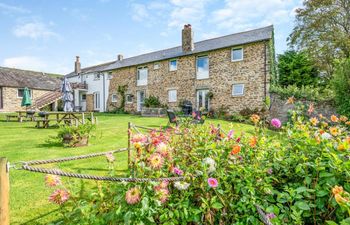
(162, 185)
(110, 157)
(276, 123)
(156, 161)
(230, 135)
(52, 180)
(213, 182)
(163, 194)
(139, 138)
(177, 171)
(133, 196)
(59, 196)
(163, 149)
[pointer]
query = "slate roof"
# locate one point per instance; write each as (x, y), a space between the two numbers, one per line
(260, 34)
(10, 77)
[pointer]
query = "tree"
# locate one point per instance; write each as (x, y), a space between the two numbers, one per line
(295, 68)
(323, 30)
(341, 86)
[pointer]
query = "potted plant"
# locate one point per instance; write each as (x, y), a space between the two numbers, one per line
(75, 136)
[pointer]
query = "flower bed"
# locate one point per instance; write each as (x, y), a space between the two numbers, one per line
(298, 174)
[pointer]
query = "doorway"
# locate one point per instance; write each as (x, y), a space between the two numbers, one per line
(202, 99)
(140, 100)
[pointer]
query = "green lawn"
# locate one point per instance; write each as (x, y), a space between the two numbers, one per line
(23, 142)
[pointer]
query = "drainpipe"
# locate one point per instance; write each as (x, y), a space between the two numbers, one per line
(104, 93)
(265, 71)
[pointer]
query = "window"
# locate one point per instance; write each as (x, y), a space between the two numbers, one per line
(97, 100)
(142, 74)
(109, 76)
(156, 66)
(97, 76)
(83, 97)
(238, 90)
(173, 65)
(237, 54)
(202, 67)
(172, 95)
(114, 97)
(21, 91)
(128, 98)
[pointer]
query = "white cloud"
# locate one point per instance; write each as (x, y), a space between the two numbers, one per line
(139, 12)
(5, 8)
(25, 62)
(244, 15)
(34, 30)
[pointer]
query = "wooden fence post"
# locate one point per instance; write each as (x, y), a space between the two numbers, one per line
(4, 192)
(129, 144)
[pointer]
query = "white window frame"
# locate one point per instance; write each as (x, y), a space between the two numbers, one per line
(197, 74)
(126, 99)
(156, 66)
(141, 82)
(170, 95)
(30, 93)
(114, 98)
(172, 60)
(233, 88)
(237, 48)
(109, 75)
(97, 99)
(97, 76)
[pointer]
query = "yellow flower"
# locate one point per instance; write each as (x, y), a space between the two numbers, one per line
(347, 123)
(334, 118)
(343, 118)
(321, 116)
(341, 147)
(337, 190)
(255, 118)
(290, 100)
(314, 121)
(253, 141)
(333, 131)
(340, 200)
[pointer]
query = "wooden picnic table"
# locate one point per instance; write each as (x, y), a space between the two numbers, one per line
(68, 118)
(22, 114)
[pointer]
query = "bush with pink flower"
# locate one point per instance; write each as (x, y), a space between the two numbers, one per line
(289, 174)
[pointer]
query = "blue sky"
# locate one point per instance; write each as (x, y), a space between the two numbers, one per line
(47, 35)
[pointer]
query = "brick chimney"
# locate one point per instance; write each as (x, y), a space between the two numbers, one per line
(77, 67)
(120, 57)
(187, 38)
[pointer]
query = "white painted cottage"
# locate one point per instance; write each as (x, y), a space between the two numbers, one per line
(90, 87)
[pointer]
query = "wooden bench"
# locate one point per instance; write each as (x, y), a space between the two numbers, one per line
(9, 117)
(46, 123)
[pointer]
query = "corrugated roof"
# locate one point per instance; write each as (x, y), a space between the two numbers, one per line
(11, 77)
(241, 38)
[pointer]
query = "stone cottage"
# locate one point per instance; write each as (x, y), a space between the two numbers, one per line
(43, 88)
(230, 72)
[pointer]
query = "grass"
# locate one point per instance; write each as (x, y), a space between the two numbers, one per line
(23, 142)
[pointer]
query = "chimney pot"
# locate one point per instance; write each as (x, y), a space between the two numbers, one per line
(77, 66)
(120, 57)
(187, 38)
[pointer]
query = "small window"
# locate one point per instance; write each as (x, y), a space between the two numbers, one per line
(173, 65)
(142, 74)
(20, 92)
(114, 97)
(237, 54)
(97, 76)
(129, 99)
(172, 95)
(238, 90)
(202, 67)
(110, 76)
(156, 66)
(83, 97)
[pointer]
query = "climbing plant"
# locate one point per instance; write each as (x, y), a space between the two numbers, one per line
(121, 91)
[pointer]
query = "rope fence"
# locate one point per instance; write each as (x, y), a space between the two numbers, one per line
(31, 166)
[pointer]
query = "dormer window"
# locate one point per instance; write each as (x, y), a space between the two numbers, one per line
(97, 76)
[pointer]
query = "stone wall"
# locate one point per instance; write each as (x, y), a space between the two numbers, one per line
(89, 102)
(223, 73)
(12, 103)
(279, 109)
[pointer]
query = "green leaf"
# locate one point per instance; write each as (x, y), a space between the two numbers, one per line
(301, 189)
(302, 205)
(331, 222)
(217, 205)
(322, 193)
(345, 222)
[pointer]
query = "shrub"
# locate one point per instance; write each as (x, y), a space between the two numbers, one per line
(152, 101)
(72, 135)
(290, 173)
(341, 87)
(310, 93)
